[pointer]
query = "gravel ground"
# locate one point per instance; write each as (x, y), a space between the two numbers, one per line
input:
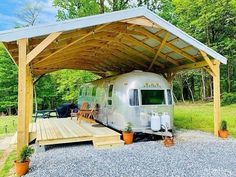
(195, 154)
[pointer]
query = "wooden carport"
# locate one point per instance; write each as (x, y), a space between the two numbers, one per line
(119, 41)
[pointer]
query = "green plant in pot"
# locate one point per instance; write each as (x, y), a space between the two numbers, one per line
(22, 164)
(223, 132)
(128, 134)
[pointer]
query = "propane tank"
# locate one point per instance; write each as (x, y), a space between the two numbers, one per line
(165, 121)
(155, 122)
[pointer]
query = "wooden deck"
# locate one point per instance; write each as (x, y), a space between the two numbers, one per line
(58, 131)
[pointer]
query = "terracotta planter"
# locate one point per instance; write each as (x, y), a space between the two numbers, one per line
(223, 133)
(168, 141)
(128, 137)
(21, 168)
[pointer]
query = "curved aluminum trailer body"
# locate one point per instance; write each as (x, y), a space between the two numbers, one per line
(130, 97)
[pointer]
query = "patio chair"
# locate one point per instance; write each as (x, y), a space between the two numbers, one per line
(83, 110)
(87, 115)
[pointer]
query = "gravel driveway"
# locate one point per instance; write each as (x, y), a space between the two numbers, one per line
(194, 154)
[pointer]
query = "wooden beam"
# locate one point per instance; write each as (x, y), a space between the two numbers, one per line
(123, 51)
(150, 49)
(169, 45)
(139, 43)
(210, 64)
(159, 50)
(143, 21)
(187, 66)
(74, 42)
(40, 47)
(209, 71)
(216, 87)
(29, 98)
(22, 128)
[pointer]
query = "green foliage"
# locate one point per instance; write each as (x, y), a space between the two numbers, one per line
(25, 154)
(9, 122)
(8, 81)
(8, 164)
(69, 81)
(223, 125)
(47, 96)
(128, 128)
(118, 4)
(75, 8)
(228, 98)
(152, 5)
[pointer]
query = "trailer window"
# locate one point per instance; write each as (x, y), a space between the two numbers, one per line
(110, 90)
(94, 91)
(153, 97)
(109, 102)
(133, 97)
(169, 96)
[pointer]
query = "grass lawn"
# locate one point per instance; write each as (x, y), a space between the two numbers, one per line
(200, 116)
(8, 164)
(7, 125)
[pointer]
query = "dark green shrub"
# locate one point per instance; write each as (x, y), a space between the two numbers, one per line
(223, 125)
(25, 153)
(228, 98)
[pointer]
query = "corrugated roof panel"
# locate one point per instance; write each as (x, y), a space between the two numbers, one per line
(152, 29)
(138, 37)
(191, 51)
(175, 56)
(180, 43)
(166, 50)
(152, 42)
(171, 37)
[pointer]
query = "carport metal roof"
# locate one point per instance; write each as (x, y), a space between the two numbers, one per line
(119, 41)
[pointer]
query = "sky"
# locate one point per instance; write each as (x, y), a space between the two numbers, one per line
(10, 8)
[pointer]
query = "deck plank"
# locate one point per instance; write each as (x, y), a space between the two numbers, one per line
(58, 131)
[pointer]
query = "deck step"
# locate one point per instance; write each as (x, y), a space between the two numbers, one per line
(108, 144)
(106, 138)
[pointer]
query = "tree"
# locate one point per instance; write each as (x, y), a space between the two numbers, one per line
(76, 8)
(29, 13)
(153, 5)
(69, 81)
(118, 4)
(8, 83)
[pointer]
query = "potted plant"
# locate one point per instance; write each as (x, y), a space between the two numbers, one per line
(22, 164)
(128, 134)
(223, 132)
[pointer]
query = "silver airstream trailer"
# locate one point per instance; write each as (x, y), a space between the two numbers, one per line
(137, 97)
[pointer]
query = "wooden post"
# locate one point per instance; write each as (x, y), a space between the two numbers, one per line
(214, 71)
(24, 77)
(29, 99)
(216, 87)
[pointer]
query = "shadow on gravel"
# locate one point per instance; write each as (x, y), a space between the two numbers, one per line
(56, 146)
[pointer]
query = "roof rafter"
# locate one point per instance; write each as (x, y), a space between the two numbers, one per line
(169, 45)
(74, 42)
(159, 49)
